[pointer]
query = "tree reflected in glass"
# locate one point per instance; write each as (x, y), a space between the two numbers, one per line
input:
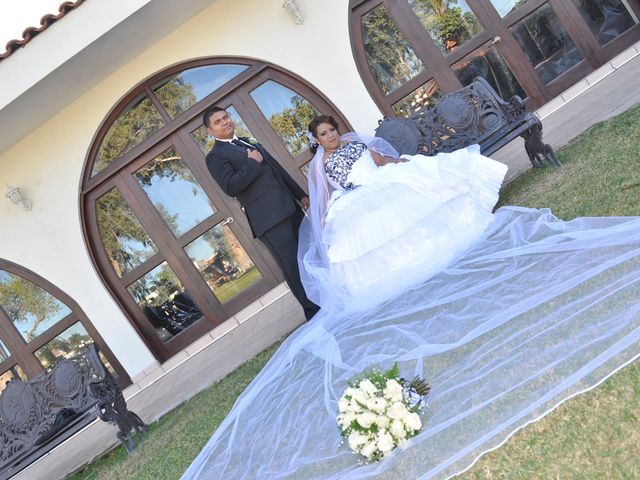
(125, 241)
(138, 121)
(31, 309)
(288, 114)
(449, 23)
(174, 192)
(183, 90)
(390, 56)
(66, 345)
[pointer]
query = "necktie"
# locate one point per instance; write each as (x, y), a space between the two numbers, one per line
(240, 143)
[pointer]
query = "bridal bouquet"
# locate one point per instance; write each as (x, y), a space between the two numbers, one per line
(379, 411)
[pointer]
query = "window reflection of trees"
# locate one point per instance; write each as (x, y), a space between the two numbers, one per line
(125, 241)
(65, 345)
(390, 57)
(449, 23)
(607, 19)
(30, 308)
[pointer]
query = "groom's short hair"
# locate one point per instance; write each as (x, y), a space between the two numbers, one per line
(206, 116)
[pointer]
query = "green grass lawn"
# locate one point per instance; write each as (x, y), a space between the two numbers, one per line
(592, 436)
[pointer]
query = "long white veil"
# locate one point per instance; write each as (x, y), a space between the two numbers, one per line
(535, 312)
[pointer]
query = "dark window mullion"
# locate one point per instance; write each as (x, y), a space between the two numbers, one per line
(165, 241)
(156, 103)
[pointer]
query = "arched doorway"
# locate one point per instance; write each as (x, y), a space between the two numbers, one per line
(175, 252)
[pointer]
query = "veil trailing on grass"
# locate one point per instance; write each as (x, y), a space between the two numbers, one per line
(535, 312)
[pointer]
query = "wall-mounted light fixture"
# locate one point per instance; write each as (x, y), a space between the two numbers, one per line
(15, 195)
(294, 10)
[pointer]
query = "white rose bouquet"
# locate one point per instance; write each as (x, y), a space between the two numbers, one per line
(379, 411)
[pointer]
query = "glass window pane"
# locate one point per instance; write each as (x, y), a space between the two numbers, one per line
(179, 92)
(546, 43)
(174, 192)
(425, 95)
(13, 372)
(223, 263)
(288, 114)
(4, 352)
(505, 7)
(205, 141)
(487, 62)
(305, 169)
(390, 57)
(449, 23)
(138, 121)
(31, 309)
(125, 241)
(68, 344)
(164, 301)
(606, 18)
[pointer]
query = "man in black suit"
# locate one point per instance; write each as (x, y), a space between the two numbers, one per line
(267, 193)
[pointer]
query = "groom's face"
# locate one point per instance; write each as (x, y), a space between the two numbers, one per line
(221, 125)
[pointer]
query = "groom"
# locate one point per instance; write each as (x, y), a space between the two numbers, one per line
(246, 171)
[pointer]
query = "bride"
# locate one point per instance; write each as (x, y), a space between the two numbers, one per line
(381, 224)
(506, 315)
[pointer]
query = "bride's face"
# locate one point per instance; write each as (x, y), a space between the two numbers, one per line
(327, 136)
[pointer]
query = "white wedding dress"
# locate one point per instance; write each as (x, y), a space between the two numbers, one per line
(389, 228)
(515, 313)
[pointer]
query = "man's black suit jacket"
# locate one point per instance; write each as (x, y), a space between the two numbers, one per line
(265, 190)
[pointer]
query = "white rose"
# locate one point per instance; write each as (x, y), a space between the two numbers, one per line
(385, 442)
(382, 422)
(380, 405)
(368, 449)
(345, 419)
(356, 439)
(348, 392)
(368, 388)
(392, 390)
(397, 410)
(358, 398)
(366, 419)
(412, 421)
(397, 429)
(344, 405)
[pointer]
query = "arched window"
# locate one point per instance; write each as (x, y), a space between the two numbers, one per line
(409, 52)
(176, 252)
(39, 325)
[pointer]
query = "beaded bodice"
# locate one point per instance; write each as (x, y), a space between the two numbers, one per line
(339, 164)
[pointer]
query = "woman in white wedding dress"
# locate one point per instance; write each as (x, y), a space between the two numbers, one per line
(506, 315)
(381, 224)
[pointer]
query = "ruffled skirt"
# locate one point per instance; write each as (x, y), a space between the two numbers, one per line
(410, 221)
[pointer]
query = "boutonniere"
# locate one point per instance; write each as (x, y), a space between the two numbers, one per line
(252, 141)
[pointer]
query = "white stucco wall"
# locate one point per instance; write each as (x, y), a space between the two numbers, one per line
(47, 163)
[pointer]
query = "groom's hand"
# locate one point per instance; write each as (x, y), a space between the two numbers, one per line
(255, 154)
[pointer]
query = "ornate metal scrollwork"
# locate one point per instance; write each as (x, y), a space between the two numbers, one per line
(35, 411)
(473, 114)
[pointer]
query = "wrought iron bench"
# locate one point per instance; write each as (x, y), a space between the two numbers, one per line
(473, 114)
(38, 414)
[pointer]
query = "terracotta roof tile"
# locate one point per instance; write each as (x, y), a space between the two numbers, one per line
(45, 22)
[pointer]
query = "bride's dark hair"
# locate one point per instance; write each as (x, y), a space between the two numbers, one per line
(315, 123)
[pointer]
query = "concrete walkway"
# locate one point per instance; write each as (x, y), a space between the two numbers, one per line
(608, 91)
